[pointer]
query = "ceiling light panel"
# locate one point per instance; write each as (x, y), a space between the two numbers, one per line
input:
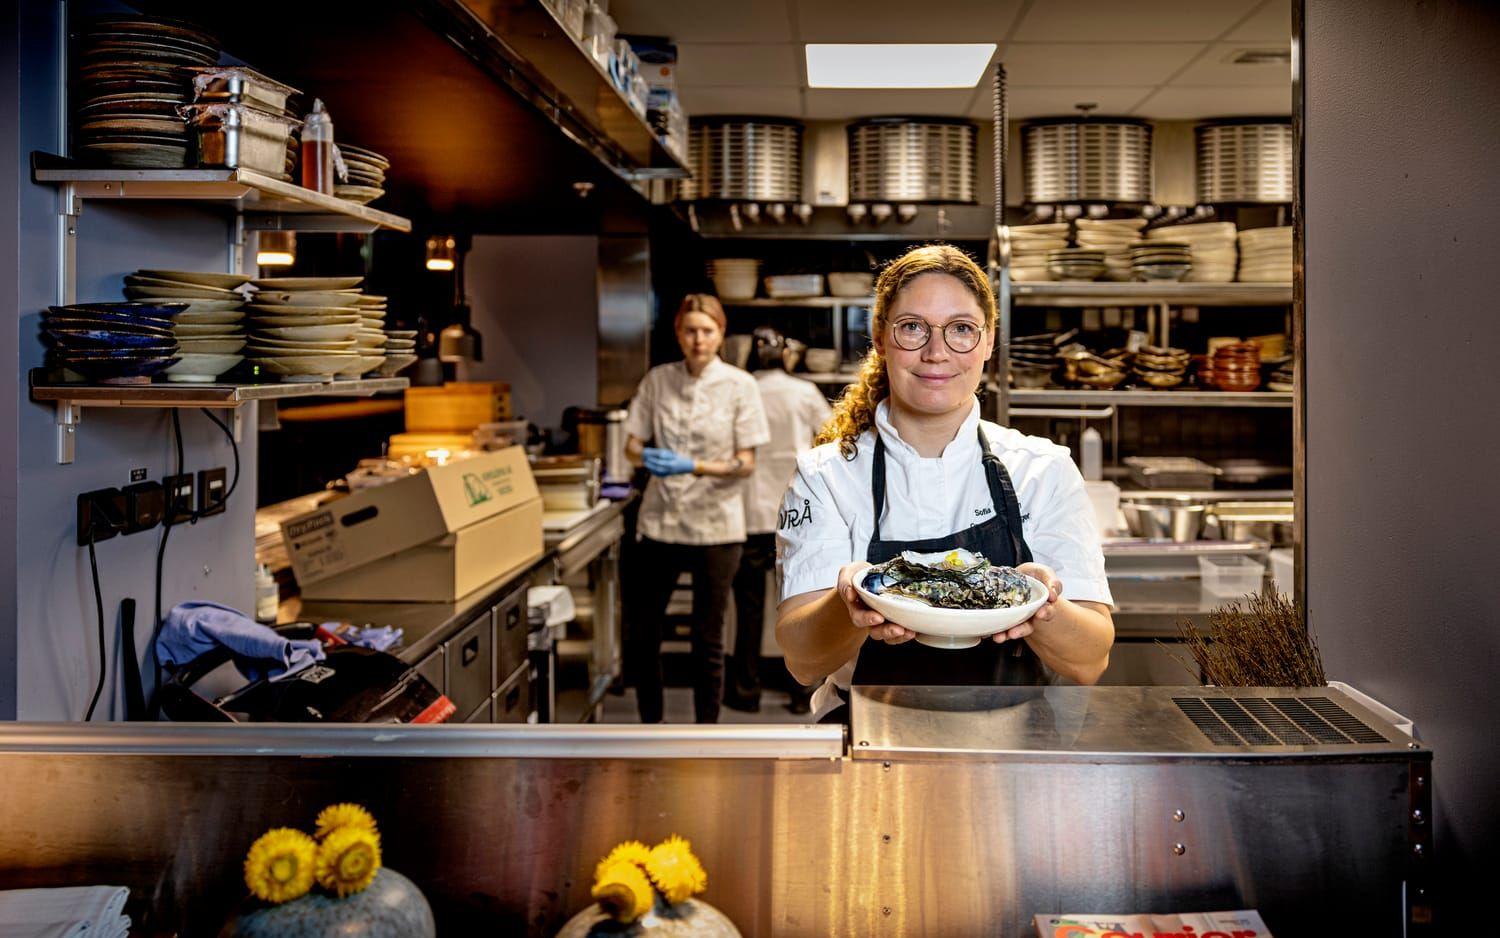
(897, 65)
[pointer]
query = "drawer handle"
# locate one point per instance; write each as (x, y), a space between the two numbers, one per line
(513, 699)
(513, 617)
(470, 651)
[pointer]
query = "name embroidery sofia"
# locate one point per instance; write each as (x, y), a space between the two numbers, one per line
(793, 518)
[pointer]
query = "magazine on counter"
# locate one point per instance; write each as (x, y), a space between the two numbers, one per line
(1241, 924)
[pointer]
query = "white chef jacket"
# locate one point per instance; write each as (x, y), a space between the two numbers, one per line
(796, 410)
(709, 417)
(828, 515)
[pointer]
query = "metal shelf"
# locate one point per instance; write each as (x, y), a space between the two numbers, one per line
(70, 399)
(1141, 398)
(266, 201)
(827, 377)
(820, 302)
(1097, 293)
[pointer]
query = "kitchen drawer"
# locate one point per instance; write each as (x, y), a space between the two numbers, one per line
(512, 702)
(482, 714)
(510, 632)
(433, 667)
(469, 659)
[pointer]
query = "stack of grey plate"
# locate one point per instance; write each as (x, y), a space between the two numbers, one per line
(400, 351)
(1113, 236)
(366, 179)
(1212, 245)
(1075, 263)
(308, 329)
(1160, 260)
(129, 82)
(1033, 358)
(209, 331)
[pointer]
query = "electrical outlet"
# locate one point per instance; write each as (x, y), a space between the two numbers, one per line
(145, 505)
(179, 497)
(212, 487)
(101, 511)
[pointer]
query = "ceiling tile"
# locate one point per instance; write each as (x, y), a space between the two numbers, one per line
(1271, 22)
(1216, 68)
(695, 21)
(841, 104)
(747, 63)
(1056, 63)
(901, 21)
(1197, 103)
(1136, 21)
(776, 102)
(1024, 102)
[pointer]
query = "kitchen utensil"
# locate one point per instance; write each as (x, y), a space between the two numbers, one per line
(1171, 472)
(236, 83)
(1177, 518)
(1270, 521)
(950, 628)
(239, 136)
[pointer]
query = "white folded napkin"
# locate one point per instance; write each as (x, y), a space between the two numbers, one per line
(69, 912)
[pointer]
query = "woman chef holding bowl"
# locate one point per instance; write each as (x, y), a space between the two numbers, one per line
(906, 464)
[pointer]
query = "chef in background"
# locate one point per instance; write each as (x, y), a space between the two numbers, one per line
(795, 410)
(694, 425)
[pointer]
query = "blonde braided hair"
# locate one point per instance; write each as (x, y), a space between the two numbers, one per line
(855, 411)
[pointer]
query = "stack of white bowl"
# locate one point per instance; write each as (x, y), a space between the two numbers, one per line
(309, 329)
(1266, 255)
(735, 278)
(1212, 245)
(208, 332)
(1029, 247)
(1113, 236)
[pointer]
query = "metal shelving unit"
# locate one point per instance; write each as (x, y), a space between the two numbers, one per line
(818, 302)
(1150, 398)
(1097, 293)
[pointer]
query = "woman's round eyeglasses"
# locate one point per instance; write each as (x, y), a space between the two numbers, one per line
(961, 335)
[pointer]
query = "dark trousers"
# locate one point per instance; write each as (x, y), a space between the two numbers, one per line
(657, 568)
(743, 682)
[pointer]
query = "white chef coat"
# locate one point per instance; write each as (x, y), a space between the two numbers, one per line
(709, 417)
(828, 515)
(796, 410)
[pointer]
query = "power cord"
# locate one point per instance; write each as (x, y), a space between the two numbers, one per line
(99, 612)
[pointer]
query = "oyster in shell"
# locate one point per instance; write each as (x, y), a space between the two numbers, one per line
(954, 579)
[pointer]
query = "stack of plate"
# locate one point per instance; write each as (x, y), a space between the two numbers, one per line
(1266, 255)
(735, 278)
(371, 340)
(1029, 246)
(208, 327)
(1282, 378)
(1113, 236)
(400, 351)
(1033, 358)
(1075, 263)
(307, 329)
(367, 170)
(1212, 247)
(130, 81)
(1160, 367)
(112, 343)
(1160, 260)
(1234, 367)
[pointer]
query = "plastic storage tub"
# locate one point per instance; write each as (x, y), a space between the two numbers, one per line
(1231, 575)
(1282, 571)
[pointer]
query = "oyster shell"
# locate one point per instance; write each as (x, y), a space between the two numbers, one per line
(955, 579)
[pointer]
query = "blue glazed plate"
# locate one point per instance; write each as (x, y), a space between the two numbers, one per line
(115, 369)
(80, 339)
(159, 350)
(109, 326)
(148, 313)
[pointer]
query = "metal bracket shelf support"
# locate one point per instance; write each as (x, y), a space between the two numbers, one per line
(69, 415)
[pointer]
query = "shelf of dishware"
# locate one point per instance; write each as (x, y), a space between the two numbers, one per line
(1101, 293)
(819, 302)
(248, 191)
(1150, 398)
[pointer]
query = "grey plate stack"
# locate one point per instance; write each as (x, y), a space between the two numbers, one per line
(1099, 159)
(911, 159)
(1245, 161)
(756, 159)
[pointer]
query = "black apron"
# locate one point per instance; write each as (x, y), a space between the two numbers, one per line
(1000, 540)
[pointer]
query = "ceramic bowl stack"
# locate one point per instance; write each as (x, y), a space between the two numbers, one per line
(1234, 367)
(400, 351)
(1266, 255)
(1113, 236)
(307, 329)
(735, 278)
(1159, 367)
(1212, 245)
(1085, 369)
(208, 329)
(1075, 263)
(1282, 378)
(366, 180)
(1029, 247)
(130, 80)
(111, 343)
(1033, 358)
(1160, 260)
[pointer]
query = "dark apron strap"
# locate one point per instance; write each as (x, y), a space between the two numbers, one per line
(1003, 494)
(877, 483)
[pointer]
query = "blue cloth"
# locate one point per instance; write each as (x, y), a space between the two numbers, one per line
(193, 628)
(369, 636)
(664, 462)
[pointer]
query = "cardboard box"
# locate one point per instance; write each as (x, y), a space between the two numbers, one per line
(456, 407)
(446, 569)
(378, 522)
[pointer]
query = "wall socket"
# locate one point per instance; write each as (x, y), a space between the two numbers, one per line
(179, 501)
(212, 487)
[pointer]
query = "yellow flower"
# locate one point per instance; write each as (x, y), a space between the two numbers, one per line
(335, 816)
(631, 851)
(279, 866)
(623, 890)
(674, 869)
(348, 860)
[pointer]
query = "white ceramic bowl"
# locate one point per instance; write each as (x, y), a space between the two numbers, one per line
(951, 628)
(195, 368)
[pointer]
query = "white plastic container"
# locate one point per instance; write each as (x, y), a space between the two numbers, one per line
(1091, 455)
(1283, 571)
(1231, 574)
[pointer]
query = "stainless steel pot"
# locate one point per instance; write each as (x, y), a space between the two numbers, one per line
(1246, 521)
(1176, 518)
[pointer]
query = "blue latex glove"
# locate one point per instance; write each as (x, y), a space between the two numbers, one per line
(664, 462)
(192, 628)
